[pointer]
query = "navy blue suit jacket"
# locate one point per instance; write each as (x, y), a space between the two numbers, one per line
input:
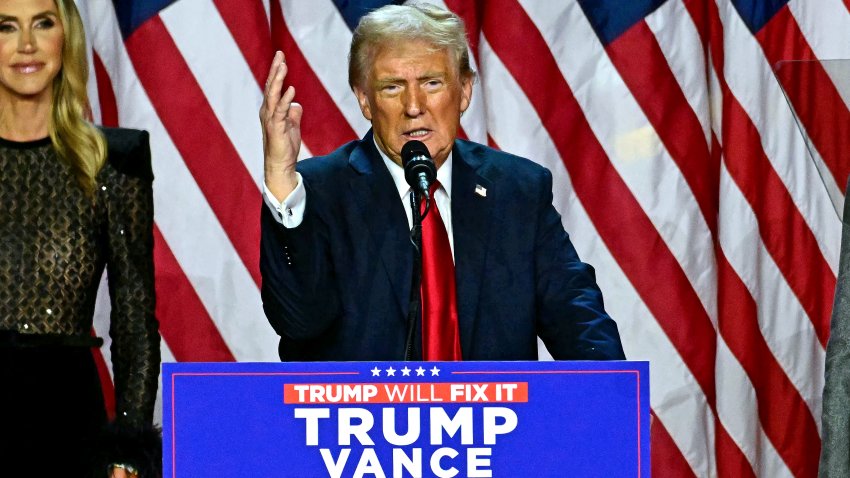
(337, 287)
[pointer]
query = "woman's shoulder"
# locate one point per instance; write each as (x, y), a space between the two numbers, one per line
(128, 151)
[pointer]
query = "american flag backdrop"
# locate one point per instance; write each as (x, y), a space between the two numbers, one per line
(680, 171)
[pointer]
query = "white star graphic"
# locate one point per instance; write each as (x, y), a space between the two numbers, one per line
(420, 372)
(390, 372)
(405, 371)
(376, 372)
(435, 371)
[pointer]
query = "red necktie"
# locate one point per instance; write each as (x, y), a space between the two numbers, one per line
(440, 335)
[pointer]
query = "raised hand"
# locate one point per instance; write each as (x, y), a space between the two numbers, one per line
(280, 118)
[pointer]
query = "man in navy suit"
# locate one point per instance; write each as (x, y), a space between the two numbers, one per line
(336, 256)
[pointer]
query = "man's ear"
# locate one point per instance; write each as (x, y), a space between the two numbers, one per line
(466, 91)
(363, 101)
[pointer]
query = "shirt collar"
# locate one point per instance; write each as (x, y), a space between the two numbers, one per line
(444, 174)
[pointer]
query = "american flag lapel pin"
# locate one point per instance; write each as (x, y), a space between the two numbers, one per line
(481, 190)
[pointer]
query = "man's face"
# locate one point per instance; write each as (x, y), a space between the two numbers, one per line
(414, 92)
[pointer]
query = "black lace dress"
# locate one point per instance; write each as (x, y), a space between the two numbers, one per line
(54, 245)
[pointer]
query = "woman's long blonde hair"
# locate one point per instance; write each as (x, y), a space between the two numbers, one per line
(77, 141)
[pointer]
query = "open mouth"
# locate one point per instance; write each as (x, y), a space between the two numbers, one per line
(418, 134)
(27, 68)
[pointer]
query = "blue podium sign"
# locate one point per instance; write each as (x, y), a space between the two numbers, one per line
(406, 419)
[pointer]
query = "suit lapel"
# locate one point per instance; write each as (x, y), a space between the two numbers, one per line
(382, 213)
(471, 210)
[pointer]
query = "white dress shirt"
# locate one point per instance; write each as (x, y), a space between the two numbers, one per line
(290, 212)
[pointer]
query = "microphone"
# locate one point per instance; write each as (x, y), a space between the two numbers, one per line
(420, 172)
(419, 168)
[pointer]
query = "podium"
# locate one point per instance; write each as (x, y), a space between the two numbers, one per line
(403, 419)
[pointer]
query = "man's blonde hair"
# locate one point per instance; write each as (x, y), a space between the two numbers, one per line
(392, 23)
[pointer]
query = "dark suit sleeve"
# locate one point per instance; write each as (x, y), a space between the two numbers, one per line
(835, 450)
(299, 292)
(571, 318)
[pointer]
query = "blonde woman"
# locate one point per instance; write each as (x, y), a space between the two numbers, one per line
(74, 199)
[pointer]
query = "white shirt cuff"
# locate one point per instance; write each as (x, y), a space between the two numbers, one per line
(290, 212)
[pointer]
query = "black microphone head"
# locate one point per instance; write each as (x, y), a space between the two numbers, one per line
(417, 162)
(412, 149)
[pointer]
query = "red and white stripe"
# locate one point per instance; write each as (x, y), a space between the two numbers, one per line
(679, 171)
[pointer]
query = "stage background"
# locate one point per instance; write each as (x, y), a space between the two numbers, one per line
(679, 170)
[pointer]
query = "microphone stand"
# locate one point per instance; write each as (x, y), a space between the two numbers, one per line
(416, 277)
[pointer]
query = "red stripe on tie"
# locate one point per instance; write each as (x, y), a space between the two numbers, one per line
(203, 144)
(105, 94)
(816, 101)
(644, 68)
(633, 240)
(667, 460)
(249, 26)
(440, 333)
(184, 322)
(323, 127)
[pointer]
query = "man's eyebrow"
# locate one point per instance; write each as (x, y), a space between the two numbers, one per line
(432, 74)
(424, 76)
(389, 79)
